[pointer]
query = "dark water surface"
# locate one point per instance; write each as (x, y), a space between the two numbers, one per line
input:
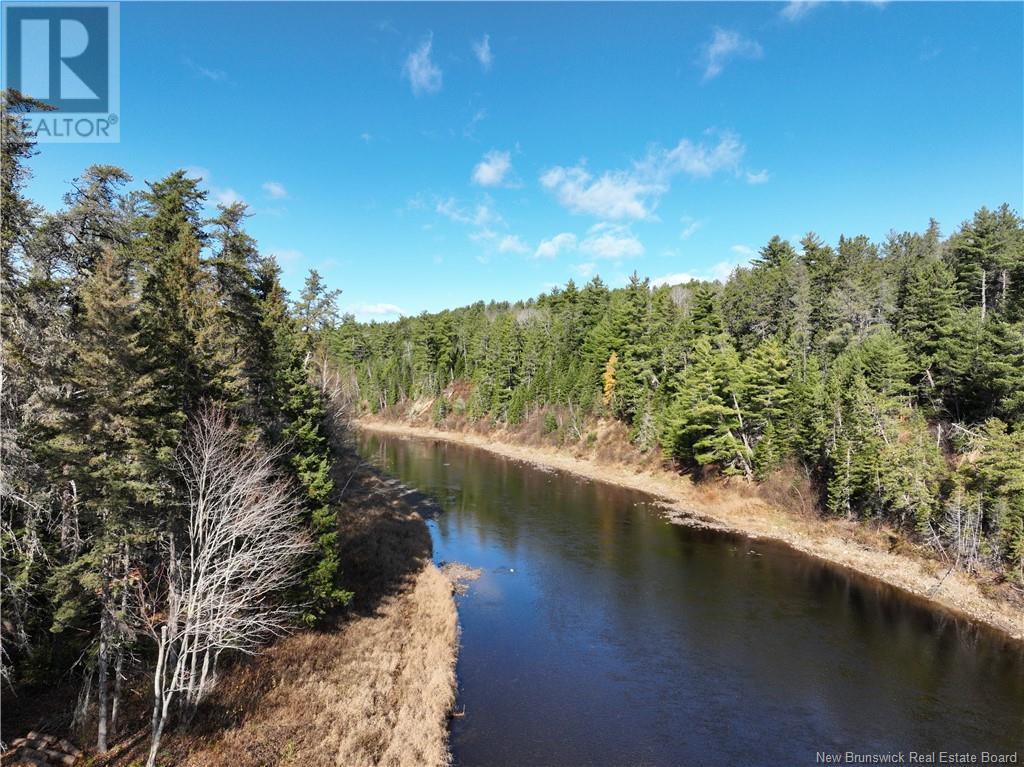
(600, 634)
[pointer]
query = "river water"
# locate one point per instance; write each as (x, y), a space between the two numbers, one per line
(600, 634)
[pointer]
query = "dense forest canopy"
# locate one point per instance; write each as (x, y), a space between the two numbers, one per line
(891, 374)
(167, 493)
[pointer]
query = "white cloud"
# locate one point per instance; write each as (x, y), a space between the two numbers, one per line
(482, 50)
(275, 189)
(226, 196)
(478, 116)
(615, 195)
(483, 235)
(690, 227)
(552, 247)
(288, 260)
(366, 136)
(609, 241)
(695, 160)
(216, 75)
(449, 208)
(584, 270)
(424, 75)
(198, 172)
(634, 193)
(511, 243)
(797, 9)
(743, 250)
(492, 169)
(480, 215)
(676, 278)
(726, 44)
(723, 270)
(719, 271)
(761, 177)
(376, 310)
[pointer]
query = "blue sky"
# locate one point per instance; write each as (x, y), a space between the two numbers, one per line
(428, 155)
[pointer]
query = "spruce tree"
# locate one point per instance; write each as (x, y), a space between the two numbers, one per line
(295, 414)
(171, 309)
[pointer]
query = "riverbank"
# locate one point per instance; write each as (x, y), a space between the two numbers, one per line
(375, 687)
(845, 543)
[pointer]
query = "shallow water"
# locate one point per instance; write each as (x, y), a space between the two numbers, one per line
(600, 634)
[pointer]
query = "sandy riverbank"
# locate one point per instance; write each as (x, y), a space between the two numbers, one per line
(845, 543)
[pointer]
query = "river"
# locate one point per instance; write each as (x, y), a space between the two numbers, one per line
(601, 634)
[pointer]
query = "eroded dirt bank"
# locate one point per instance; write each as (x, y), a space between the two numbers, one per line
(845, 543)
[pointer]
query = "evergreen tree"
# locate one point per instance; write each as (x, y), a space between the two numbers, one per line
(765, 399)
(317, 307)
(927, 321)
(704, 424)
(171, 309)
(297, 415)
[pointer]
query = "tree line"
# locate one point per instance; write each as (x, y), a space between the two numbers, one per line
(166, 492)
(890, 374)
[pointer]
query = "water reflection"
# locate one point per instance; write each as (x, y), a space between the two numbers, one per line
(600, 634)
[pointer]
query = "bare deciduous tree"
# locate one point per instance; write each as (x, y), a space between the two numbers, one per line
(339, 389)
(221, 587)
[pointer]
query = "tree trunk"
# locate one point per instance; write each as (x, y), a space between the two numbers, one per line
(156, 725)
(984, 286)
(115, 705)
(102, 688)
(158, 731)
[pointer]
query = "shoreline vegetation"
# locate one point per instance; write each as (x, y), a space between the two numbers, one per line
(878, 554)
(376, 688)
(374, 685)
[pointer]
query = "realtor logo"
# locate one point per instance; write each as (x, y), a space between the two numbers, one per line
(66, 56)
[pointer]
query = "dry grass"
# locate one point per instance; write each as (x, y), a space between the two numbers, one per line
(789, 488)
(376, 688)
(783, 513)
(377, 693)
(460, 575)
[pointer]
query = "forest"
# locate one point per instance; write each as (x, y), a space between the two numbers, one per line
(889, 375)
(167, 492)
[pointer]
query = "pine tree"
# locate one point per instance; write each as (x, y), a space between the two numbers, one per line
(926, 320)
(704, 424)
(629, 337)
(997, 475)
(101, 436)
(765, 399)
(705, 317)
(16, 147)
(172, 313)
(820, 261)
(295, 415)
(317, 307)
(231, 312)
(985, 255)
